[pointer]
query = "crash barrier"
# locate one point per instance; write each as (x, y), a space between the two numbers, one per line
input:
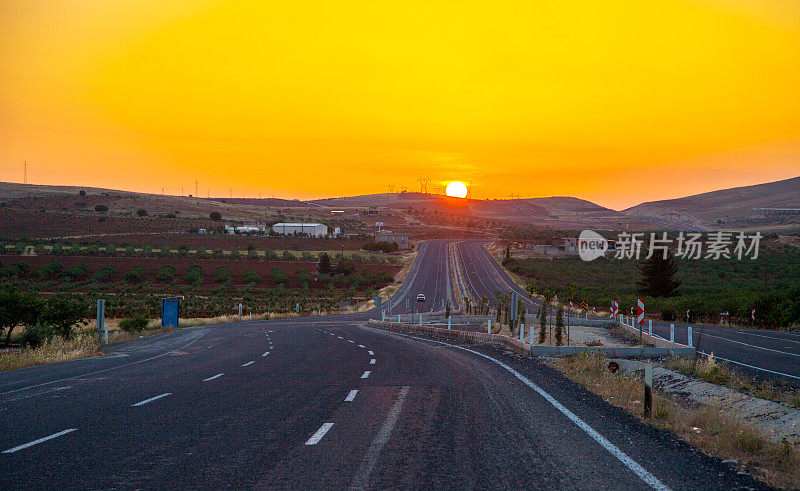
(513, 344)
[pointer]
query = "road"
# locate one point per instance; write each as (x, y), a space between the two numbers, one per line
(327, 402)
(765, 354)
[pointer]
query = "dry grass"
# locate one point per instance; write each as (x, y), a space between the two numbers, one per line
(720, 373)
(52, 351)
(706, 427)
(400, 277)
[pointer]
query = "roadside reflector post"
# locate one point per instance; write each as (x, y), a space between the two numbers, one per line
(648, 389)
(240, 312)
(489, 328)
(101, 321)
(530, 333)
(420, 319)
(522, 333)
(689, 329)
(398, 318)
(650, 327)
(672, 333)
(448, 323)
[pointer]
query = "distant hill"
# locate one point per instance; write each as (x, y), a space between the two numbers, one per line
(553, 212)
(728, 208)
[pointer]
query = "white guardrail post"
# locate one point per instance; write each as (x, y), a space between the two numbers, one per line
(489, 329)
(448, 323)
(522, 333)
(672, 333)
(689, 329)
(650, 326)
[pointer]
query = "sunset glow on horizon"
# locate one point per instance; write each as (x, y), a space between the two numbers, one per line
(617, 103)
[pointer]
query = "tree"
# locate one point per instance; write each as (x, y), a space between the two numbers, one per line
(278, 275)
(222, 275)
(106, 272)
(194, 274)
(101, 208)
(345, 266)
(447, 309)
(63, 313)
(324, 265)
(215, 215)
(17, 308)
(166, 274)
(82, 192)
(135, 275)
(141, 212)
(251, 276)
(543, 322)
(658, 276)
(559, 325)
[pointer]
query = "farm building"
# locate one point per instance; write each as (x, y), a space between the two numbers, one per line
(313, 229)
(388, 236)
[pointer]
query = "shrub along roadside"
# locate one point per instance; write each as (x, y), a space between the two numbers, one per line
(706, 428)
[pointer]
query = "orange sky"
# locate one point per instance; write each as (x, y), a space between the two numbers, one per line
(615, 102)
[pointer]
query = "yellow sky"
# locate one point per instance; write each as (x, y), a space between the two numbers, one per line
(616, 102)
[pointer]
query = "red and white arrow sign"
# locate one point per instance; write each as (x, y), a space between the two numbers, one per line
(614, 309)
(639, 311)
(753, 314)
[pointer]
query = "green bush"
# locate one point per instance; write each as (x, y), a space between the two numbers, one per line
(137, 274)
(278, 276)
(251, 276)
(166, 274)
(222, 275)
(77, 272)
(134, 324)
(287, 256)
(106, 272)
(307, 256)
(35, 335)
(194, 274)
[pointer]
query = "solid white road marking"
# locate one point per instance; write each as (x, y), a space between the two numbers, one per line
(366, 374)
(631, 464)
(361, 478)
(40, 440)
(360, 345)
(142, 403)
(752, 345)
(751, 366)
(212, 378)
(371, 353)
(372, 361)
(248, 363)
(265, 354)
(351, 395)
(319, 434)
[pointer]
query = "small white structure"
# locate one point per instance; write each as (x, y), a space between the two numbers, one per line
(312, 229)
(248, 228)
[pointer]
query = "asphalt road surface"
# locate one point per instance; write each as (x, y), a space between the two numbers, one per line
(327, 403)
(761, 353)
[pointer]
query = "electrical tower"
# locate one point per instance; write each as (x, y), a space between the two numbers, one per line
(423, 184)
(391, 188)
(196, 192)
(469, 190)
(25, 173)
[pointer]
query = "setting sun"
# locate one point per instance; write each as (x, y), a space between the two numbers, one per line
(456, 189)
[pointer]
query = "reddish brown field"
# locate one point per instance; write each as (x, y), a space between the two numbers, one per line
(181, 265)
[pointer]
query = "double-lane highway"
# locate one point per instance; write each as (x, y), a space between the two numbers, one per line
(761, 353)
(327, 402)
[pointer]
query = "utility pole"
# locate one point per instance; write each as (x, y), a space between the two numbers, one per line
(25, 173)
(196, 193)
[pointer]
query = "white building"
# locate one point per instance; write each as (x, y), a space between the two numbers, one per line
(313, 229)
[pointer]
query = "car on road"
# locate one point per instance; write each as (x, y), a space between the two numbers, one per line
(421, 297)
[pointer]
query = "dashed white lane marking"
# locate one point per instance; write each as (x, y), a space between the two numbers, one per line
(372, 361)
(142, 403)
(366, 374)
(371, 353)
(339, 337)
(40, 440)
(631, 464)
(248, 363)
(212, 378)
(319, 434)
(360, 345)
(361, 478)
(351, 395)
(350, 341)
(265, 353)
(752, 345)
